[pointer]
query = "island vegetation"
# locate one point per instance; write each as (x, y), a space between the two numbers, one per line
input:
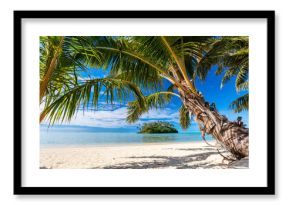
(138, 66)
(157, 127)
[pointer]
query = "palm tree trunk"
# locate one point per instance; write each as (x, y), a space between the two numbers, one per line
(233, 137)
(44, 82)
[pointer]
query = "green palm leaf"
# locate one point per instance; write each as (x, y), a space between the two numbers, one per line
(67, 104)
(231, 54)
(125, 56)
(184, 117)
(240, 104)
(155, 100)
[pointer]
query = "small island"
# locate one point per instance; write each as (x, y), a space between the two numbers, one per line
(157, 127)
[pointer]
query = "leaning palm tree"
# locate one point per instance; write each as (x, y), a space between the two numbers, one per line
(141, 63)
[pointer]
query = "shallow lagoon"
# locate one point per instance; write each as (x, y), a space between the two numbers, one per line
(75, 136)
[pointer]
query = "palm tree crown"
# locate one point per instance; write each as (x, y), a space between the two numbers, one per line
(137, 64)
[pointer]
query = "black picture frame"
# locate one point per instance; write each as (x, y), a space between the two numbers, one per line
(268, 190)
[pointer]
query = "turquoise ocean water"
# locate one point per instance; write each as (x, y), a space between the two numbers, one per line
(82, 136)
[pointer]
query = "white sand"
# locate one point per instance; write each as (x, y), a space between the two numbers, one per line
(192, 155)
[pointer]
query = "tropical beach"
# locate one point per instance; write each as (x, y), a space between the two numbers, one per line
(193, 155)
(72, 147)
(144, 102)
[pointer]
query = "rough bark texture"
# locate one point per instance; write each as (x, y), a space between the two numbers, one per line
(231, 135)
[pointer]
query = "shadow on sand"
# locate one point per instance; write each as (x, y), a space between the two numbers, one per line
(184, 162)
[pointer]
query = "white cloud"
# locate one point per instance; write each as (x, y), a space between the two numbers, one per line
(117, 118)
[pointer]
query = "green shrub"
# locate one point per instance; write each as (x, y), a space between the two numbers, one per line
(157, 127)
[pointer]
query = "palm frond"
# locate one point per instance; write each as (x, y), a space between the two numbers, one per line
(127, 56)
(243, 86)
(228, 75)
(134, 64)
(240, 104)
(242, 77)
(179, 63)
(67, 104)
(64, 53)
(229, 53)
(184, 118)
(155, 100)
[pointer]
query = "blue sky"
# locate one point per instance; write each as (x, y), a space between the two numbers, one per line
(113, 116)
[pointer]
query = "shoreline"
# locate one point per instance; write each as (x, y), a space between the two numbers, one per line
(167, 155)
(121, 144)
